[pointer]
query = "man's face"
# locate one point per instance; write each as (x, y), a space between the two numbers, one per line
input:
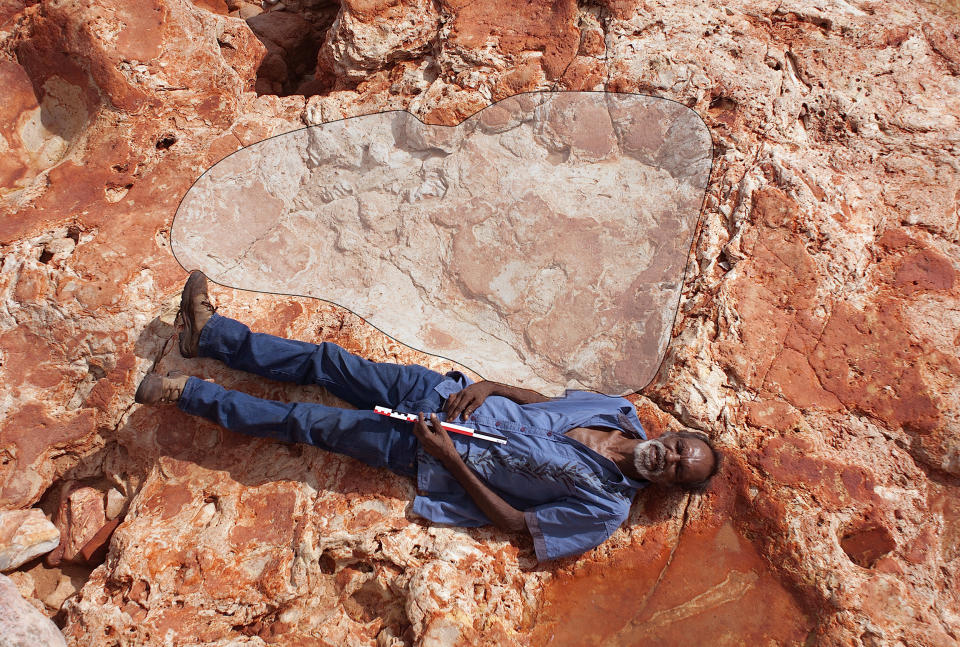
(673, 459)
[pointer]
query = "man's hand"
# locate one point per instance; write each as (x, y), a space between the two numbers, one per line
(436, 441)
(468, 399)
(435, 438)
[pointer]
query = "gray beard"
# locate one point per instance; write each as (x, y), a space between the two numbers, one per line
(649, 458)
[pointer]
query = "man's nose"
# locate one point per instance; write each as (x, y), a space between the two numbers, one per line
(671, 457)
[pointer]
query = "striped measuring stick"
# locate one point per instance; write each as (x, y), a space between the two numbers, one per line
(449, 426)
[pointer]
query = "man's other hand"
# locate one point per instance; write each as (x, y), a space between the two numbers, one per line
(435, 438)
(467, 400)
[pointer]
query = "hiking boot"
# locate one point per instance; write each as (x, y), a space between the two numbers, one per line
(195, 312)
(155, 389)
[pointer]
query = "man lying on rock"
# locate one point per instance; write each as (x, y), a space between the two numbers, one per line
(567, 474)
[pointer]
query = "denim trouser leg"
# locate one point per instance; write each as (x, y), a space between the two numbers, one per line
(367, 436)
(362, 434)
(362, 383)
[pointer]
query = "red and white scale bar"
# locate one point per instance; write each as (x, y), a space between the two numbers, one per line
(449, 426)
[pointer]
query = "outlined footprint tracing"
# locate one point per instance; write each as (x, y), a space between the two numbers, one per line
(541, 242)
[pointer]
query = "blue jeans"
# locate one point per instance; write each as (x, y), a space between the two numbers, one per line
(362, 434)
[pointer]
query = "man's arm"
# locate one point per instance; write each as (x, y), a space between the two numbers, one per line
(472, 396)
(438, 444)
(518, 395)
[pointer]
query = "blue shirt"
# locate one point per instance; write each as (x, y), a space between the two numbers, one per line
(573, 498)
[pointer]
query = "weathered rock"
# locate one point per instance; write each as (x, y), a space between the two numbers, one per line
(566, 272)
(284, 35)
(249, 10)
(20, 624)
(37, 136)
(288, 30)
(371, 36)
(815, 339)
(216, 6)
(116, 503)
(702, 580)
(79, 377)
(47, 588)
(282, 529)
(66, 41)
(80, 517)
(25, 534)
(86, 518)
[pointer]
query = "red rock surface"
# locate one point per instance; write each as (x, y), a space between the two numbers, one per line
(817, 337)
(701, 582)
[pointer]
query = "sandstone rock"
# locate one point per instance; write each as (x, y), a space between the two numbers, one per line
(81, 387)
(248, 10)
(293, 536)
(273, 71)
(94, 550)
(285, 36)
(370, 36)
(549, 288)
(665, 590)
(507, 36)
(83, 515)
(25, 534)
(831, 207)
(772, 414)
(46, 588)
(216, 6)
(21, 625)
(288, 30)
(37, 135)
(116, 503)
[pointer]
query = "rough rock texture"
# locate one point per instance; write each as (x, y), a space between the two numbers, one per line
(85, 516)
(20, 624)
(24, 534)
(541, 242)
(816, 340)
